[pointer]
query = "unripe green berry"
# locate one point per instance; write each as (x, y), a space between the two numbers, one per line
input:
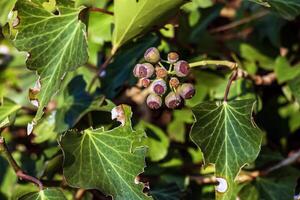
(182, 68)
(159, 86)
(173, 57)
(152, 55)
(154, 101)
(172, 100)
(144, 70)
(186, 90)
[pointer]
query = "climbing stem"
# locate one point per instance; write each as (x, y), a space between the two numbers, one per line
(19, 172)
(232, 78)
(229, 64)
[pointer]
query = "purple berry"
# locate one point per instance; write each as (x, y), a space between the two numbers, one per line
(172, 100)
(186, 90)
(144, 70)
(159, 86)
(154, 101)
(182, 68)
(152, 55)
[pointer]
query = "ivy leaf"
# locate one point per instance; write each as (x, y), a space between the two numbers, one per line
(288, 9)
(7, 109)
(228, 138)
(285, 72)
(120, 70)
(56, 46)
(6, 6)
(76, 103)
(295, 87)
(106, 160)
(134, 17)
(47, 194)
(167, 192)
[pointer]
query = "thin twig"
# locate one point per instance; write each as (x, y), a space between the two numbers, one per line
(232, 78)
(249, 176)
(101, 10)
(101, 69)
(293, 158)
(240, 22)
(19, 172)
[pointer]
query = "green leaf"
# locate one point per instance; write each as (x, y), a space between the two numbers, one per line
(284, 71)
(7, 109)
(288, 9)
(255, 57)
(157, 141)
(47, 194)
(295, 87)
(166, 192)
(134, 17)
(56, 46)
(177, 128)
(76, 103)
(106, 160)
(228, 138)
(6, 7)
(120, 70)
(278, 185)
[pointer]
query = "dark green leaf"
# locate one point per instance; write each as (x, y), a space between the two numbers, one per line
(295, 87)
(76, 103)
(56, 46)
(228, 138)
(106, 160)
(288, 9)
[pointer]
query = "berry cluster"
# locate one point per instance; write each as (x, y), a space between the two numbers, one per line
(158, 85)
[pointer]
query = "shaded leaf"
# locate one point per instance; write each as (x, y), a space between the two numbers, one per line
(120, 70)
(166, 192)
(106, 160)
(57, 45)
(288, 9)
(228, 138)
(295, 87)
(157, 141)
(76, 103)
(47, 194)
(135, 17)
(7, 109)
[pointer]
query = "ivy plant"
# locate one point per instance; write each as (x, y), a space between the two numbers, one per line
(143, 99)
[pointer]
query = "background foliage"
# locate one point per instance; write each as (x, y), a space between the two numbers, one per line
(64, 65)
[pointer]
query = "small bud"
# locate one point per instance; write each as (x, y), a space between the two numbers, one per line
(182, 68)
(174, 82)
(144, 70)
(161, 72)
(173, 57)
(152, 55)
(154, 101)
(172, 100)
(186, 90)
(159, 87)
(145, 82)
